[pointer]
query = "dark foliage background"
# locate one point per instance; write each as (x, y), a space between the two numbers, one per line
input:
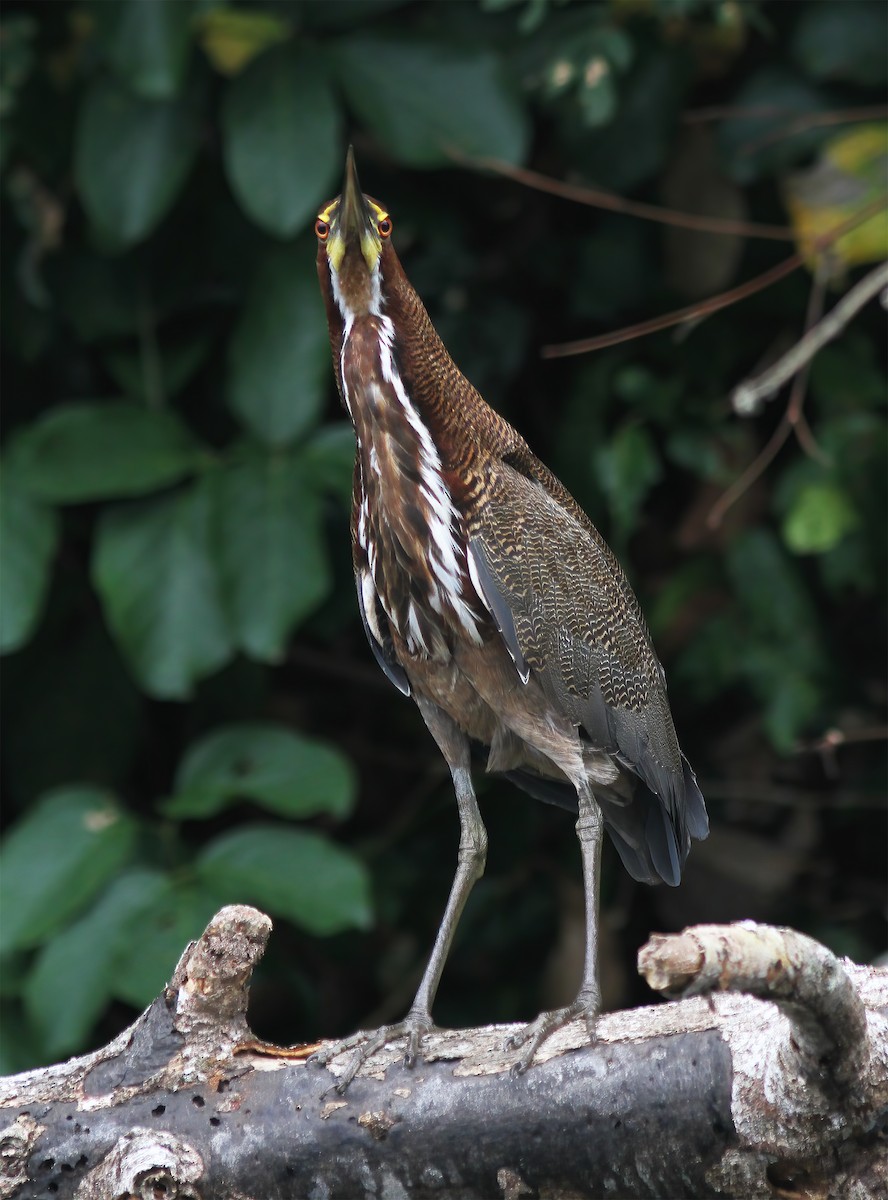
(190, 713)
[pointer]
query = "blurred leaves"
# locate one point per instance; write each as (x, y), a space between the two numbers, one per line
(79, 452)
(87, 956)
(131, 158)
(154, 570)
(851, 173)
(28, 538)
(294, 874)
(283, 772)
(627, 469)
(282, 165)
(820, 516)
(232, 37)
(279, 356)
(178, 913)
(55, 859)
(426, 100)
(771, 102)
(147, 44)
(784, 659)
(271, 552)
(843, 39)
(183, 653)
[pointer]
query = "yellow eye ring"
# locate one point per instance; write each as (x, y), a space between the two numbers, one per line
(384, 228)
(322, 229)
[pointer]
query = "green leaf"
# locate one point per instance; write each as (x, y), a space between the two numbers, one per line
(748, 143)
(84, 956)
(82, 452)
(147, 43)
(287, 774)
(173, 369)
(628, 468)
(270, 548)
(18, 1046)
(279, 356)
(424, 98)
(28, 538)
(99, 295)
(154, 571)
(291, 873)
(819, 518)
(145, 963)
(56, 858)
(843, 39)
(131, 159)
(846, 378)
(329, 459)
(281, 139)
(784, 659)
(635, 144)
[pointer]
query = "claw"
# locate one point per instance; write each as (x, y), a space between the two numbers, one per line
(539, 1030)
(414, 1027)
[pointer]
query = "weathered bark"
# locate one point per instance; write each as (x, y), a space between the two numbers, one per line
(724, 1095)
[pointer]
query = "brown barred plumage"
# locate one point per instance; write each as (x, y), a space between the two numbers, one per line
(489, 596)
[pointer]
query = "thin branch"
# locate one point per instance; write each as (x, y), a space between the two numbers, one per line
(755, 469)
(793, 420)
(752, 112)
(678, 316)
(723, 300)
(794, 409)
(747, 395)
(597, 198)
(833, 738)
(758, 791)
(875, 112)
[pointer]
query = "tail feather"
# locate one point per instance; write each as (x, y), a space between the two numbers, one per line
(652, 849)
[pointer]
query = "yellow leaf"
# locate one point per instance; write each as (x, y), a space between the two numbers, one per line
(851, 173)
(231, 38)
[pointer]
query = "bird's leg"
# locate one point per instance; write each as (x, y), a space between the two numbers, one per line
(470, 868)
(590, 830)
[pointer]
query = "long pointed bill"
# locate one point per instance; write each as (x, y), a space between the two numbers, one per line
(355, 221)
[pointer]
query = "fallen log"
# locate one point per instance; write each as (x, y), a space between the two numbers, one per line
(782, 1092)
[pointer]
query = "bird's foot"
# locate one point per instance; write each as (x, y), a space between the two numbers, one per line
(365, 1044)
(537, 1031)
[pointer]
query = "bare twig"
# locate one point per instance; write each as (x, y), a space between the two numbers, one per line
(704, 308)
(747, 395)
(793, 420)
(875, 112)
(833, 738)
(598, 198)
(693, 312)
(752, 112)
(758, 791)
(754, 471)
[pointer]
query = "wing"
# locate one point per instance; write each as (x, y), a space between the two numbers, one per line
(565, 609)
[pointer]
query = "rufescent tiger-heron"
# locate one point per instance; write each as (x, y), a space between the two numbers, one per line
(489, 597)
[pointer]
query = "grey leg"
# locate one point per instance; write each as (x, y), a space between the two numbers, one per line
(590, 830)
(470, 867)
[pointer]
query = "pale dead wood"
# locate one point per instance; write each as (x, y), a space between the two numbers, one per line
(710, 1096)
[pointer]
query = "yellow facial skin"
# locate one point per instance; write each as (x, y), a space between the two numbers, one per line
(365, 229)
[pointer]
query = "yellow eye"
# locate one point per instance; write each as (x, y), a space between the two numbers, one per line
(384, 228)
(322, 229)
